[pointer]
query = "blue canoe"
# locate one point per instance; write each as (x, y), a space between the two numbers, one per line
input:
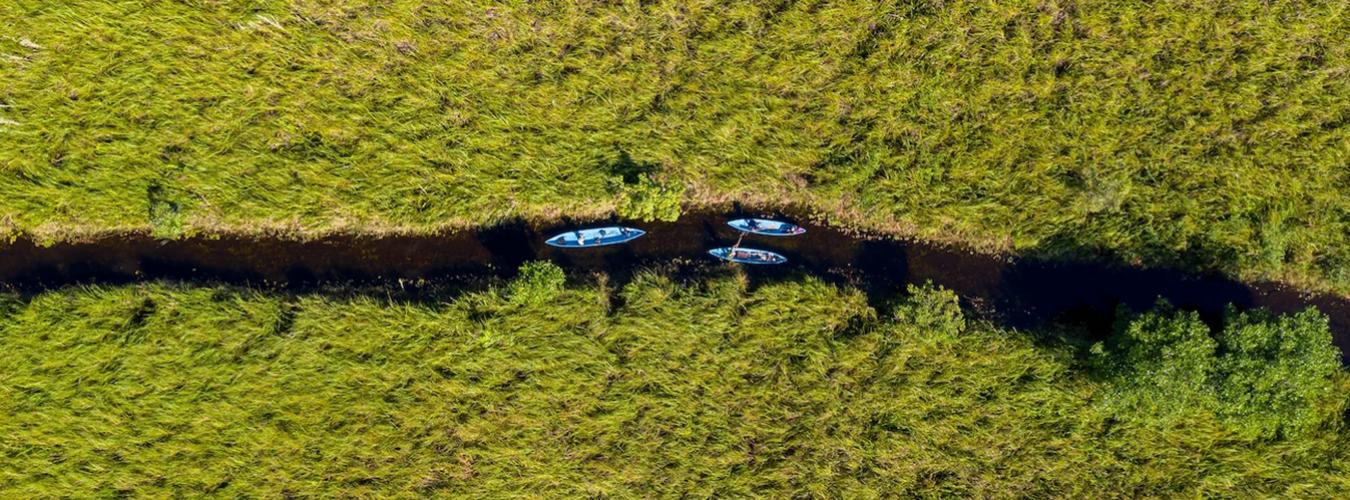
(766, 227)
(595, 237)
(747, 255)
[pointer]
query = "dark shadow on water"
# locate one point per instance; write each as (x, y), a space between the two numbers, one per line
(1020, 293)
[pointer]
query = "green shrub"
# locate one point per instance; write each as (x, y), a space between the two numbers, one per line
(1163, 366)
(165, 214)
(1265, 376)
(1275, 372)
(536, 283)
(650, 200)
(933, 308)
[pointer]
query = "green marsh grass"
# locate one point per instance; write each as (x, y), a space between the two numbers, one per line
(1208, 134)
(658, 388)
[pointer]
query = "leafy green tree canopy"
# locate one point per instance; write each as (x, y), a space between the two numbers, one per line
(1266, 376)
(1164, 363)
(1275, 374)
(536, 283)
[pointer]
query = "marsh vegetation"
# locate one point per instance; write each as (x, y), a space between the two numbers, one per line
(1207, 134)
(660, 386)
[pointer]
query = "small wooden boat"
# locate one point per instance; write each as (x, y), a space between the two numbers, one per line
(595, 237)
(766, 227)
(747, 255)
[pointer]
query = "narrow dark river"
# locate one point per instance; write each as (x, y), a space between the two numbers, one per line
(1016, 292)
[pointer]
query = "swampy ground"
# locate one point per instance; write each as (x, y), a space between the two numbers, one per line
(1204, 137)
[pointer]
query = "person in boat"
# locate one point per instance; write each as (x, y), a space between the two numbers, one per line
(752, 224)
(581, 238)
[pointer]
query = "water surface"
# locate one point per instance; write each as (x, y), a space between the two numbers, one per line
(1017, 292)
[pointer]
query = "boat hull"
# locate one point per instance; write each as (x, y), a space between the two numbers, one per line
(747, 256)
(766, 227)
(595, 237)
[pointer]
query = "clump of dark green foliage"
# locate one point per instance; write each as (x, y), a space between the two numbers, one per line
(1206, 134)
(1269, 376)
(165, 214)
(659, 388)
(649, 200)
(537, 283)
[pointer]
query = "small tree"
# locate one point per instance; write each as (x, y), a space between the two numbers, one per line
(649, 199)
(1276, 371)
(1267, 376)
(1162, 365)
(537, 282)
(932, 308)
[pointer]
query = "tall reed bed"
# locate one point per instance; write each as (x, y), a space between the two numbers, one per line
(1208, 134)
(659, 387)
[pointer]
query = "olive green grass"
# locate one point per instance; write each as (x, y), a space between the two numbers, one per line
(1208, 134)
(703, 388)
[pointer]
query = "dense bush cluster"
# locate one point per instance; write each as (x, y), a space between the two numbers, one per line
(538, 282)
(1270, 376)
(649, 200)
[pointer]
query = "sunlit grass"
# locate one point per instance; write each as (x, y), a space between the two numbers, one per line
(1209, 134)
(702, 388)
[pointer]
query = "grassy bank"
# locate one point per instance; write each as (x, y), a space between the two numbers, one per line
(1208, 134)
(704, 388)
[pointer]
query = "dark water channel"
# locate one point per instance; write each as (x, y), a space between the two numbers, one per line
(1015, 292)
